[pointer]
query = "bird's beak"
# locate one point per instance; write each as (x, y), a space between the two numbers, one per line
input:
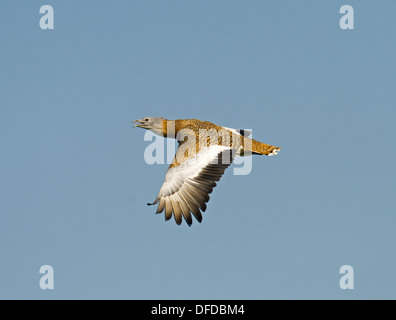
(140, 123)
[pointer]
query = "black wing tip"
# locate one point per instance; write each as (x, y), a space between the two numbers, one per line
(155, 202)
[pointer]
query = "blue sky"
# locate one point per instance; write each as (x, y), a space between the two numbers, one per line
(74, 184)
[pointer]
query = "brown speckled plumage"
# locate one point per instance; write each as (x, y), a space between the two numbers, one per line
(232, 139)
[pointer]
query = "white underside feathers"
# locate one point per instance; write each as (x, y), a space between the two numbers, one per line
(274, 152)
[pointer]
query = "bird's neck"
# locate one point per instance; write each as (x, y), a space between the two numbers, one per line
(169, 128)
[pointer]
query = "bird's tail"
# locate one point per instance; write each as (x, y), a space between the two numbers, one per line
(265, 149)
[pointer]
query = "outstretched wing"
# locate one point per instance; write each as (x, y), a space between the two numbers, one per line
(187, 186)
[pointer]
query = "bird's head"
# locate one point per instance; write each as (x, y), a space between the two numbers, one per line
(154, 124)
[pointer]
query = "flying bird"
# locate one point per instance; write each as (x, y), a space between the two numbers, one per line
(205, 151)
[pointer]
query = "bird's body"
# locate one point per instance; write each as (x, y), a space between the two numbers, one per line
(205, 151)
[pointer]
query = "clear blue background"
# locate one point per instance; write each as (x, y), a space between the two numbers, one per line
(74, 183)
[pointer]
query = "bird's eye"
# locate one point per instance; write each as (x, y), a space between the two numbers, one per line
(146, 119)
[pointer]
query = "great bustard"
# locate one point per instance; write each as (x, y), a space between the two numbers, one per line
(205, 151)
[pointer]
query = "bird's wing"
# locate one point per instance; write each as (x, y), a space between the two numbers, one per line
(187, 186)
